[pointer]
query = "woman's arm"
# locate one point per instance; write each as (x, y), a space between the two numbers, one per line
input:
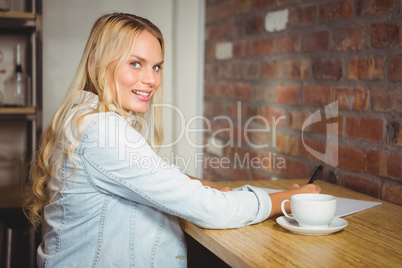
(211, 184)
(276, 198)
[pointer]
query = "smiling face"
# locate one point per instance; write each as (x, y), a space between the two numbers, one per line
(140, 76)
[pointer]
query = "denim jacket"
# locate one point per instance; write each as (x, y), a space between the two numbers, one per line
(116, 204)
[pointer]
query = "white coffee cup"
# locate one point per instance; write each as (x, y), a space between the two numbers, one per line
(311, 210)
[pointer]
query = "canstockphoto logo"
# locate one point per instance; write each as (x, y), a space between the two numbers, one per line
(331, 149)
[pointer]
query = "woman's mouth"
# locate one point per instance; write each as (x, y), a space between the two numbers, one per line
(141, 93)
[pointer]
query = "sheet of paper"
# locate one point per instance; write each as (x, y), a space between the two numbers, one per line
(345, 206)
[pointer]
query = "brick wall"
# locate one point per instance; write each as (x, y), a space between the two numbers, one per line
(273, 66)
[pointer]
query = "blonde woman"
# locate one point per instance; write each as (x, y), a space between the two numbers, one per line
(95, 185)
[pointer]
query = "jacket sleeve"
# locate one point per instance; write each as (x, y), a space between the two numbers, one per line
(120, 162)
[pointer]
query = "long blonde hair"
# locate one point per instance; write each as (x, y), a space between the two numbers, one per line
(110, 40)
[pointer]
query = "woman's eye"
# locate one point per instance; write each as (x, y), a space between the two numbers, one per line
(157, 68)
(136, 64)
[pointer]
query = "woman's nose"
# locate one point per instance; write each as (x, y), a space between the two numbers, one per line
(149, 77)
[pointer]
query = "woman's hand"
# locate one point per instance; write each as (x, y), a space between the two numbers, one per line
(307, 189)
(277, 198)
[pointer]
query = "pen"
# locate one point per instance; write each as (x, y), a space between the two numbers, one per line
(316, 175)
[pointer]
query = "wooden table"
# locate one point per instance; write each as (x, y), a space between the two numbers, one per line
(373, 237)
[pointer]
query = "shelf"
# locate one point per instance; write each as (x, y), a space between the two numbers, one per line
(17, 20)
(17, 110)
(17, 15)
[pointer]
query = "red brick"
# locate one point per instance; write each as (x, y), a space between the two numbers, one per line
(297, 69)
(372, 7)
(258, 176)
(210, 13)
(296, 119)
(235, 113)
(314, 95)
(242, 6)
(222, 128)
(392, 192)
(207, 175)
(329, 69)
(305, 69)
(374, 162)
(294, 169)
(212, 108)
(292, 69)
(224, 9)
(236, 68)
(242, 91)
(287, 93)
(362, 185)
(209, 90)
(287, 44)
(384, 35)
(252, 70)
(316, 146)
(249, 26)
(284, 2)
(316, 41)
(322, 126)
(356, 99)
(350, 158)
(365, 68)
(273, 116)
(246, 152)
(265, 93)
(210, 70)
(394, 167)
(285, 144)
(259, 139)
(210, 2)
(220, 31)
(354, 38)
(242, 174)
(263, 46)
(387, 100)
(210, 52)
(230, 151)
(272, 69)
(249, 110)
(229, 30)
(259, 4)
(336, 10)
(221, 167)
(301, 16)
(400, 33)
(241, 48)
(370, 129)
(384, 164)
(395, 68)
(225, 90)
(225, 70)
(394, 133)
(271, 162)
(212, 32)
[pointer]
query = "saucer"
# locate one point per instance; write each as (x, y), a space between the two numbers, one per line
(336, 225)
